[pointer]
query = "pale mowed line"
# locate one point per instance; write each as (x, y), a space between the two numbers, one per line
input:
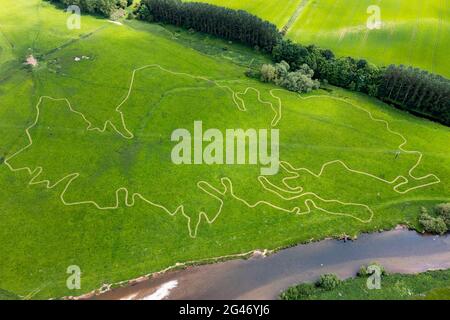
(225, 181)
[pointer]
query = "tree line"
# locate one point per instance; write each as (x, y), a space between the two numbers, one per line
(409, 88)
(100, 7)
(416, 90)
(235, 25)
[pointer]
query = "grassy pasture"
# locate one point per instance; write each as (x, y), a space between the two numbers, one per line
(45, 230)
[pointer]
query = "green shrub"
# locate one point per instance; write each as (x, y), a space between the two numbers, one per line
(303, 291)
(143, 13)
(117, 14)
(364, 272)
(254, 74)
(298, 81)
(443, 210)
(438, 223)
(328, 281)
(294, 54)
(435, 225)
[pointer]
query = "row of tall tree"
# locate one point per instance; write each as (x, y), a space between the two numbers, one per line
(235, 25)
(416, 90)
(101, 7)
(408, 88)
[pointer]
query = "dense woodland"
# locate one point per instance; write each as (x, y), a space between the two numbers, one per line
(235, 25)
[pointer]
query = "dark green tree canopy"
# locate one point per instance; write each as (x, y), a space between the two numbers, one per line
(235, 25)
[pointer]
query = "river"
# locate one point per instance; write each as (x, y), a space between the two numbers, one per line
(260, 277)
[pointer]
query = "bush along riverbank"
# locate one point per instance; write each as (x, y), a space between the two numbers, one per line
(436, 222)
(373, 283)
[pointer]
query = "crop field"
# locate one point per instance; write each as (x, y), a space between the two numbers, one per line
(86, 176)
(412, 32)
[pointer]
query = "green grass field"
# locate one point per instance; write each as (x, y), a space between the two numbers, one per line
(413, 32)
(431, 285)
(85, 168)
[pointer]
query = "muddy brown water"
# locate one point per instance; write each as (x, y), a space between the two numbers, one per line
(265, 277)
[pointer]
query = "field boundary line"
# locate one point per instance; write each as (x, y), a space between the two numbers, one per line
(293, 19)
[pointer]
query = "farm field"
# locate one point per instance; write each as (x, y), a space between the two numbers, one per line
(85, 168)
(413, 32)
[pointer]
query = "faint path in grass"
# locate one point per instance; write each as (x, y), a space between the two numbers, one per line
(294, 17)
(436, 43)
(74, 40)
(8, 41)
